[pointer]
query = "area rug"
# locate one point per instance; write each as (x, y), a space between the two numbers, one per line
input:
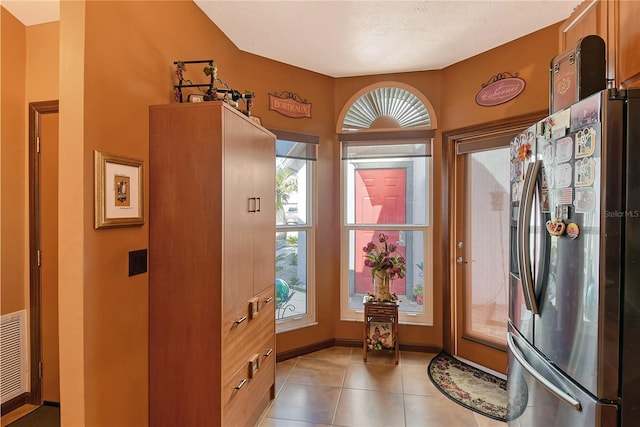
(470, 387)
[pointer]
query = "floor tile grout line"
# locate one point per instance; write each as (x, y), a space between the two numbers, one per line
(351, 361)
(335, 411)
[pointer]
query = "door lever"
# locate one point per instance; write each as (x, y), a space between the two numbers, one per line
(459, 260)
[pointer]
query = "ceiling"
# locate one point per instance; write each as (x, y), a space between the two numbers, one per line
(355, 38)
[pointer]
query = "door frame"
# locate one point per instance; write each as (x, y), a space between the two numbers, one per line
(498, 129)
(36, 109)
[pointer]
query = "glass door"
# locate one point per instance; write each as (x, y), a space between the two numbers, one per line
(482, 252)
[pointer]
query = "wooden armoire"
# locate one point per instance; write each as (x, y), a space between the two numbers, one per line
(211, 266)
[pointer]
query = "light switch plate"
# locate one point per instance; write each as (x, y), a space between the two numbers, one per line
(137, 262)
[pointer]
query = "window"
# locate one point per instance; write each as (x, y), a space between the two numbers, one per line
(295, 231)
(387, 189)
(386, 175)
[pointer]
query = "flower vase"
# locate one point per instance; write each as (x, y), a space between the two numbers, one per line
(381, 285)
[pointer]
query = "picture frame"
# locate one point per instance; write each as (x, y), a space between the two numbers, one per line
(119, 191)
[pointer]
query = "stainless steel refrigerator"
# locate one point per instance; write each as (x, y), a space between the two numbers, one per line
(574, 310)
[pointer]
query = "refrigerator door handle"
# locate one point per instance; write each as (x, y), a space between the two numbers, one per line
(565, 397)
(520, 231)
(524, 225)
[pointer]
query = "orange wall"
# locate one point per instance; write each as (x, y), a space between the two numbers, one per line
(14, 224)
(72, 198)
(452, 93)
(528, 56)
(116, 59)
(129, 52)
(43, 56)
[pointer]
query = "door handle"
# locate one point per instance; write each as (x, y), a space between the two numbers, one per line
(526, 275)
(460, 260)
(562, 395)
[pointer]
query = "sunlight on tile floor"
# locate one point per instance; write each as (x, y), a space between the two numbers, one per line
(335, 387)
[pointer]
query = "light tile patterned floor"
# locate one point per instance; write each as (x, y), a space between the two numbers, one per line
(335, 387)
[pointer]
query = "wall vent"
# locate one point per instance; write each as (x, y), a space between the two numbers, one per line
(13, 355)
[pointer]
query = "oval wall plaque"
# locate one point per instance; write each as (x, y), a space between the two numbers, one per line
(500, 91)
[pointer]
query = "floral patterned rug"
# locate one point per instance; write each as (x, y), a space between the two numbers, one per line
(470, 387)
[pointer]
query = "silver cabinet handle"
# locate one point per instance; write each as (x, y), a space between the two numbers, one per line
(240, 320)
(268, 353)
(268, 300)
(565, 397)
(242, 383)
(254, 204)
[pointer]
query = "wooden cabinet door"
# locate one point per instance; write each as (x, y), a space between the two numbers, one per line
(238, 234)
(264, 221)
(628, 15)
(249, 231)
(618, 23)
(590, 18)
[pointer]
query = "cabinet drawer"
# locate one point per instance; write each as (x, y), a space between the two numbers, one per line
(240, 338)
(381, 310)
(248, 388)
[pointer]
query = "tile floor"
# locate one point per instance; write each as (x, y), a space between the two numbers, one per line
(335, 387)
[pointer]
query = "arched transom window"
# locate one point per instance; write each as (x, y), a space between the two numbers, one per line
(386, 108)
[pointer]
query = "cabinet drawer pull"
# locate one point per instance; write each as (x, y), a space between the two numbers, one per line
(252, 204)
(268, 300)
(240, 320)
(257, 204)
(242, 383)
(268, 353)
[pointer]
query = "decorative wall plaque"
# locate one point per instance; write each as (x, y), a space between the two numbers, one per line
(501, 88)
(289, 104)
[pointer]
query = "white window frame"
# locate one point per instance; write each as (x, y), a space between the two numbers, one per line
(309, 318)
(349, 314)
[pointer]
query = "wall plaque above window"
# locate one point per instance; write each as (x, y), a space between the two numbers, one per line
(289, 104)
(501, 88)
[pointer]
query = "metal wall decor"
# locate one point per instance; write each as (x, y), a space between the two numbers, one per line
(501, 88)
(289, 104)
(209, 91)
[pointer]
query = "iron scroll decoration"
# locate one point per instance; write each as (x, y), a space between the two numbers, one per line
(210, 91)
(501, 88)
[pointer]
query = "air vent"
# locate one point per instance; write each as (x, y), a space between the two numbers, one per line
(13, 356)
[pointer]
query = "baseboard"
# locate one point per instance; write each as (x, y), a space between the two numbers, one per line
(347, 342)
(482, 368)
(420, 348)
(293, 353)
(48, 403)
(15, 403)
